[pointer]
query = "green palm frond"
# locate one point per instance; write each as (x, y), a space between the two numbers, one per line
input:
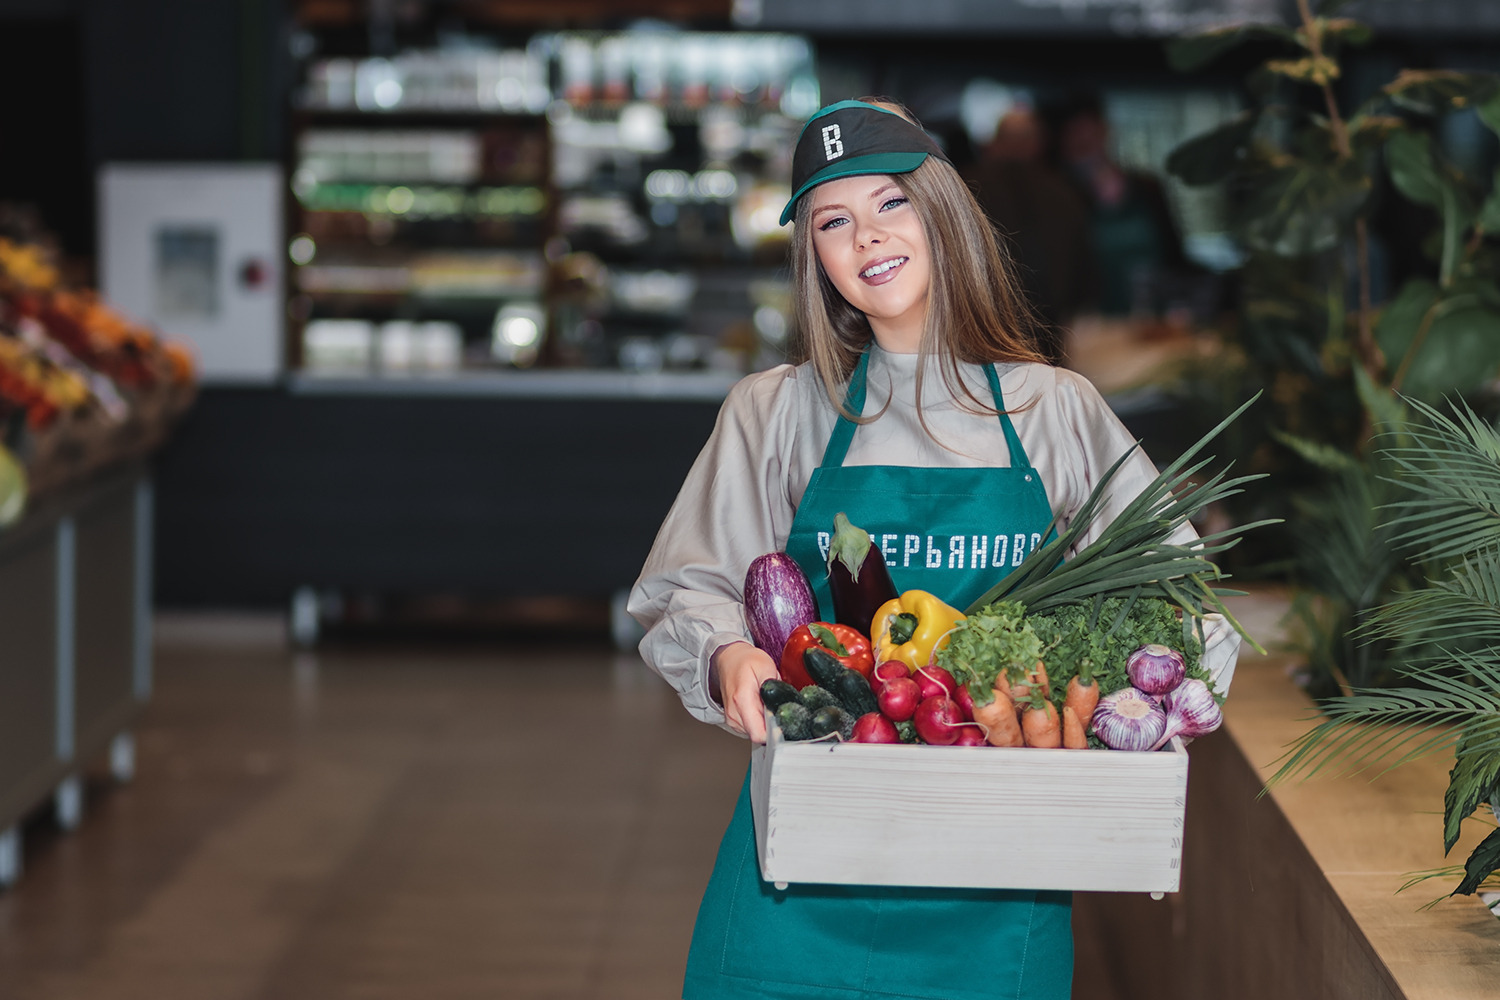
(1452, 467)
(1347, 552)
(1488, 884)
(1395, 726)
(1460, 611)
(1132, 554)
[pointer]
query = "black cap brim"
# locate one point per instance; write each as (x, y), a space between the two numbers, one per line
(872, 163)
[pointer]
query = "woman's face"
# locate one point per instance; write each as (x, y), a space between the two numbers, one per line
(870, 242)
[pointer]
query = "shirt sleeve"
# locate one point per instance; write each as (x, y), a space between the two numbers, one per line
(1099, 440)
(734, 506)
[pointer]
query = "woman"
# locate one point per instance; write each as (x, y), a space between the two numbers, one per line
(914, 326)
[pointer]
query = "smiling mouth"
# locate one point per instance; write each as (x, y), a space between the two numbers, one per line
(882, 267)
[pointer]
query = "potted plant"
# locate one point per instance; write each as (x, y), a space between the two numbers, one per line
(1309, 171)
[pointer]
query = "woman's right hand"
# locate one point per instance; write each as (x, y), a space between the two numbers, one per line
(741, 668)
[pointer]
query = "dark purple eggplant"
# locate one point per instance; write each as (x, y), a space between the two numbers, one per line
(778, 600)
(857, 575)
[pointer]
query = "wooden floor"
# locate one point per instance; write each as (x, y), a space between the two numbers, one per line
(383, 821)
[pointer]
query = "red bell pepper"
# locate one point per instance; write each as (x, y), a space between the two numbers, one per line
(849, 645)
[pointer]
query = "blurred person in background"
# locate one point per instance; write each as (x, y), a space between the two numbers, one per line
(1135, 239)
(1043, 219)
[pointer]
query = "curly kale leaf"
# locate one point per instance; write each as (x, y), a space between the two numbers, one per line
(996, 637)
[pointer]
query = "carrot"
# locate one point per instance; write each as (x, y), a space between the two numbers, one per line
(999, 721)
(1074, 734)
(1002, 684)
(1082, 698)
(1035, 682)
(1040, 725)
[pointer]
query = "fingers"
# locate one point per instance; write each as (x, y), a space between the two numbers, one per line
(741, 668)
(752, 719)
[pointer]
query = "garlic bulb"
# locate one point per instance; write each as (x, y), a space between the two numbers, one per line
(1129, 720)
(1155, 669)
(1191, 711)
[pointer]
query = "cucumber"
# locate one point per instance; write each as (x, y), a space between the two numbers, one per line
(832, 720)
(822, 666)
(775, 692)
(795, 721)
(853, 692)
(815, 697)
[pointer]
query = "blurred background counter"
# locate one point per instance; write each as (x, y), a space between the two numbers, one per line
(385, 490)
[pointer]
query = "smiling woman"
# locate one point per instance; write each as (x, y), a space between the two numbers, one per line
(897, 277)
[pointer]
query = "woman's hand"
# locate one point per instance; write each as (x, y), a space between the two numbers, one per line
(741, 668)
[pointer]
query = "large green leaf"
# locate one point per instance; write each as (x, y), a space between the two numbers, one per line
(1304, 208)
(1461, 352)
(1432, 91)
(1482, 863)
(1408, 156)
(1400, 318)
(1473, 780)
(1424, 178)
(1217, 153)
(1194, 51)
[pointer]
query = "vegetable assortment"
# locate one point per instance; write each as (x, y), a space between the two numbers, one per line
(1120, 673)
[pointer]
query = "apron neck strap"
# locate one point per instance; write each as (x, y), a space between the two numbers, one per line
(854, 402)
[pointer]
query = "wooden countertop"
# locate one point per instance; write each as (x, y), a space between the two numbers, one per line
(1368, 835)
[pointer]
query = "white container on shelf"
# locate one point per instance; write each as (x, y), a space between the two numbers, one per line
(197, 251)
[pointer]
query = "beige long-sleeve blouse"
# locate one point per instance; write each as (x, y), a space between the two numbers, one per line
(742, 492)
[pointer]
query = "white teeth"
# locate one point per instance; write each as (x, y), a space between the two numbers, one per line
(882, 268)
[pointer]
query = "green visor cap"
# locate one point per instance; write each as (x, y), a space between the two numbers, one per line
(851, 138)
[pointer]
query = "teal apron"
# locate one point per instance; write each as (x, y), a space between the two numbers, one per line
(953, 532)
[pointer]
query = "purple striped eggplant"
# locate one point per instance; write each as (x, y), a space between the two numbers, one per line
(857, 576)
(778, 601)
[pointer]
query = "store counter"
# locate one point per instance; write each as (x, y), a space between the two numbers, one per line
(1294, 894)
(493, 484)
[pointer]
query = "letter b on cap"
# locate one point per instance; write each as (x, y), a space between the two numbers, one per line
(833, 143)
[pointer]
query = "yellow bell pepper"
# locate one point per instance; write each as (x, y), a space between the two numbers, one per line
(912, 627)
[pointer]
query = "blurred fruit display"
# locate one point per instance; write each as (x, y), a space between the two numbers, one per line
(81, 385)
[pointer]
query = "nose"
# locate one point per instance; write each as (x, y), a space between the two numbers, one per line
(869, 235)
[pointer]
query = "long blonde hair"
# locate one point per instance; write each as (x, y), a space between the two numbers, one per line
(976, 312)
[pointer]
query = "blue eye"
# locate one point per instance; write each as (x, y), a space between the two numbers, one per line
(893, 201)
(837, 220)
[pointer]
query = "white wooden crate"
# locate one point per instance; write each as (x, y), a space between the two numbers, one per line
(976, 817)
(969, 817)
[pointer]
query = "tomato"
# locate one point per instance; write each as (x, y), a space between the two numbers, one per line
(848, 644)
